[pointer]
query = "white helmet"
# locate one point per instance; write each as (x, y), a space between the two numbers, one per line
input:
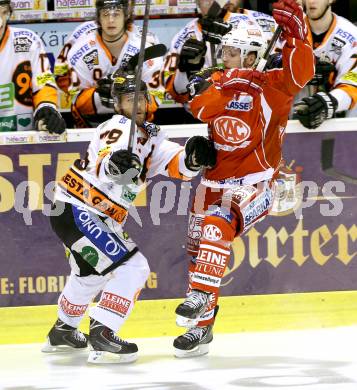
(246, 38)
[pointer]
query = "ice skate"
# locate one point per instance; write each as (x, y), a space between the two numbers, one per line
(192, 308)
(64, 338)
(195, 342)
(106, 347)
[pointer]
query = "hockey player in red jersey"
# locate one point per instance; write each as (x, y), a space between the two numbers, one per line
(190, 49)
(27, 87)
(91, 206)
(247, 112)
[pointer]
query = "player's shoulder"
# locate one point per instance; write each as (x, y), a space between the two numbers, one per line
(345, 29)
(188, 31)
(24, 38)
(236, 18)
(84, 29)
(253, 19)
(257, 14)
(118, 121)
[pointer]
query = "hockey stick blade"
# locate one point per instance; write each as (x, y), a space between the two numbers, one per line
(150, 53)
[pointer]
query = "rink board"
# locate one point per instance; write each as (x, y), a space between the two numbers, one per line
(280, 256)
(236, 314)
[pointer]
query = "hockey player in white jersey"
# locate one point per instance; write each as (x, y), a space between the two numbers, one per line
(100, 53)
(334, 40)
(28, 93)
(190, 48)
(91, 205)
(61, 69)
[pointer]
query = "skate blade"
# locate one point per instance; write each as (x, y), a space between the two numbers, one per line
(200, 350)
(48, 348)
(102, 357)
(186, 322)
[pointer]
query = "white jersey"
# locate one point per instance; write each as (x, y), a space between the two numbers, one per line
(26, 80)
(175, 80)
(84, 29)
(339, 47)
(87, 184)
(90, 60)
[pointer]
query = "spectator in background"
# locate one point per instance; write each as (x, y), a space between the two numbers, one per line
(95, 52)
(190, 48)
(28, 93)
(62, 69)
(334, 86)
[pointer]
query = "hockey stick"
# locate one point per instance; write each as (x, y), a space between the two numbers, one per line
(214, 11)
(138, 75)
(150, 53)
(263, 61)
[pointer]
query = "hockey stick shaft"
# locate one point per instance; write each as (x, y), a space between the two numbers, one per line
(138, 75)
(263, 61)
(214, 11)
(213, 54)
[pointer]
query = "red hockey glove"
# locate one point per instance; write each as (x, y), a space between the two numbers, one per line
(243, 80)
(289, 15)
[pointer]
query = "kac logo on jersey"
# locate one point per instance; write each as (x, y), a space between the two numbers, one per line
(243, 103)
(231, 129)
(212, 233)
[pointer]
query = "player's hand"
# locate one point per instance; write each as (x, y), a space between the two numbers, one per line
(323, 70)
(196, 86)
(289, 15)
(274, 61)
(200, 152)
(213, 29)
(192, 56)
(243, 80)
(104, 90)
(123, 162)
(151, 129)
(313, 110)
(206, 73)
(47, 118)
(198, 82)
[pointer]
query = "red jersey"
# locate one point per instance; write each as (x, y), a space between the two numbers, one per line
(247, 132)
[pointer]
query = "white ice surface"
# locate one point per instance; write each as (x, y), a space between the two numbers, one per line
(323, 359)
